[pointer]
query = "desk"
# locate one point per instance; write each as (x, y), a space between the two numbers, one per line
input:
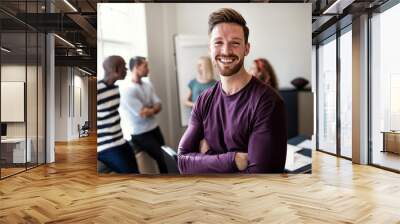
(295, 161)
(299, 155)
(391, 141)
(13, 150)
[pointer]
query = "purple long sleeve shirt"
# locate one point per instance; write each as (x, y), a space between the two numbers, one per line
(252, 120)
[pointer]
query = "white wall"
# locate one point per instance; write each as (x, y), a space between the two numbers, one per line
(283, 37)
(16, 73)
(280, 33)
(82, 82)
(33, 126)
(12, 73)
(161, 26)
(68, 82)
(61, 103)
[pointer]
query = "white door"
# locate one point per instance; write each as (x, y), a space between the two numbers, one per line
(188, 50)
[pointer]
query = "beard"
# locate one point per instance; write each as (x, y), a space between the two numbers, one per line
(228, 69)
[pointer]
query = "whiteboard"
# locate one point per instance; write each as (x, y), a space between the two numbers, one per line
(12, 101)
(188, 49)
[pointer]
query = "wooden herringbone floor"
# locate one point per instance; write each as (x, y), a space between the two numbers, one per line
(70, 191)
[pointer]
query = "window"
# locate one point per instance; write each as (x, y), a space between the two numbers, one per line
(346, 94)
(385, 88)
(327, 96)
(124, 35)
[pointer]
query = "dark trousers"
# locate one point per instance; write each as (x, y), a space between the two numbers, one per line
(120, 159)
(151, 143)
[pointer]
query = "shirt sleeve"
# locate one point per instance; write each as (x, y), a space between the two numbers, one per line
(129, 100)
(190, 160)
(154, 98)
(268, 139)
(191, 83)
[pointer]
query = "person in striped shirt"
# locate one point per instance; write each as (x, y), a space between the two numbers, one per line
(112, 149)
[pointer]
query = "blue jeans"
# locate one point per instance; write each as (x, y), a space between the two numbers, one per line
(120, 159)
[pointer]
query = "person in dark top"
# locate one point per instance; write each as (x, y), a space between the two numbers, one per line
(239, 125)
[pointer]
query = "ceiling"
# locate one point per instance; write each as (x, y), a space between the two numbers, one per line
(78, 27)
(77, 23)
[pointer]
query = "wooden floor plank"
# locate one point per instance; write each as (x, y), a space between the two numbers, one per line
(71, 191)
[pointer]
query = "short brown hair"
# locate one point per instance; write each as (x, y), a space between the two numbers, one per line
(136, 61)
(227, 15)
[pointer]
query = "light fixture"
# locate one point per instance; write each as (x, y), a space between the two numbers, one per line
(337, 7)
(64, 40)
(84, 71)
(70, 5)
(5, 50)
(80, 51)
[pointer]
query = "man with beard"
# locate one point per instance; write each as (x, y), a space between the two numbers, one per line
(239, 125)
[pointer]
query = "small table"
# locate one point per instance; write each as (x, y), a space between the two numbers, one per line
(391, 141)
(13, 150)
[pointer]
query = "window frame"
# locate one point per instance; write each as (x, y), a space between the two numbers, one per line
(334, 37)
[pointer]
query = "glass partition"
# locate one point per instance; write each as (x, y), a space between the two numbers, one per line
(31, 98)
(327, 96)
(22, 78)
(13, 95)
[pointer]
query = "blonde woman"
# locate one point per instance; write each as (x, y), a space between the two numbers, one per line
(204, 80)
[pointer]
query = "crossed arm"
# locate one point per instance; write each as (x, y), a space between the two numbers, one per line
(266, 147)
(202, 159)
(146, 112)
(131, 99)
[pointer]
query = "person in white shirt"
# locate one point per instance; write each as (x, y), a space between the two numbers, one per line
(139, 105)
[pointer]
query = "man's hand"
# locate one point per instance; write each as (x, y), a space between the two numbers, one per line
(241, 160)
(204, 147)
(146, 112)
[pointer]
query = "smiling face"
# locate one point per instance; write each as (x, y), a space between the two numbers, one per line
(228, 48)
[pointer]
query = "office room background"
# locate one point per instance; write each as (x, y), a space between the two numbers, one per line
(279, 32)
